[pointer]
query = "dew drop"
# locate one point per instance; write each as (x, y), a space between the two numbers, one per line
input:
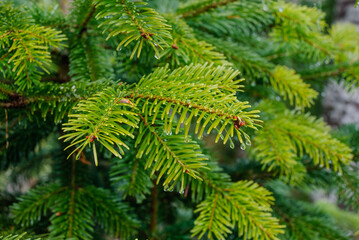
(231, 145)
(182, 192)
(248, 142)
(186, 140)
(243, 146)
(157, 57)
(281, 9)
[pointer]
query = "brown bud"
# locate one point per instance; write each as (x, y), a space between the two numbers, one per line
(58, 214)
(174, 46)
(144, 35)
(125, 100)
(92, 138)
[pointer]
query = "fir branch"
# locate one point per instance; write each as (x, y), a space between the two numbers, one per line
(72, 217)
(302, 220)
(36, 204)
(83, 25)
(348, 186)
(129, 176)
(113, 216)
(24, 236)
(105, 125)
(329, 71)
(168, 155)
(88, 60)
(198, 91)
(198, 8)
(276, 155)
(283, 79)
(306, 134)
(290, 85)
(302, 26)
(185, 48)
(254, 220)
(29, 46)
(146, 25)
(236, 19)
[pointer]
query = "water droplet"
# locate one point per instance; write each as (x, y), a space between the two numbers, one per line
(248, 142)
(281, 9)
(340, 174)
(157, 57)
(243, 146)
(186, 140)
(231, 145)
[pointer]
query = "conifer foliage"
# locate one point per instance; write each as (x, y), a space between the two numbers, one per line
(121, 98)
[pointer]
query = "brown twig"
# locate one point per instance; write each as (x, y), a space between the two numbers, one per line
(206, 8)
(154, 209)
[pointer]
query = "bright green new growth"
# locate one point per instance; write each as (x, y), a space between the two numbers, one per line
(200, 94)
(101, 117)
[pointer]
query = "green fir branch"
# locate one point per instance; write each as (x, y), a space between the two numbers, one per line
(29, 48)
(135, 21)
(113, 216)
(186, 49)
(167, 155)
(130, 177)
(275, 154)
(290, 85)
(306, 134)
(195, 8)
(101, 118)
(244, 203)
(36, 204)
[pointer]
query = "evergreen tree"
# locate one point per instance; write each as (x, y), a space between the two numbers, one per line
(123, 100)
